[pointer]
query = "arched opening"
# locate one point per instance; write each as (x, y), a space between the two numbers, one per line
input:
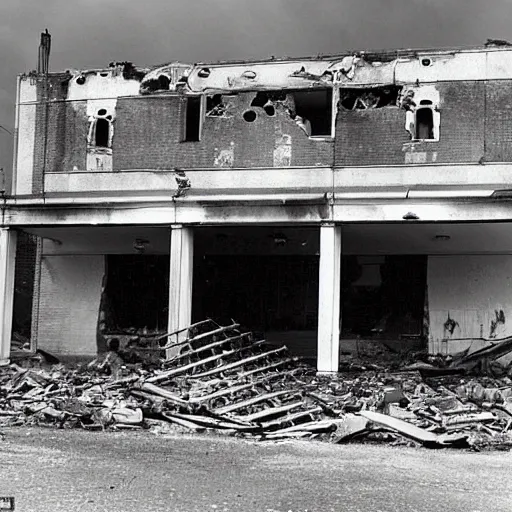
(424, 123)
(102, 133)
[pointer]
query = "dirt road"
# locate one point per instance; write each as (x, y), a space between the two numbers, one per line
(62, 470)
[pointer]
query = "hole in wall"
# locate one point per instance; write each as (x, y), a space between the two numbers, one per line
(249, 116)
(260, 100)
(103, 74)
(270, 110)
(102, 111)
(80, 80)
(251, 75)
(426, 62)
(102, 133)
(204, 72)
(214, 106)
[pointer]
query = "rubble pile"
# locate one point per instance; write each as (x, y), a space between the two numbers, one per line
(219, 378)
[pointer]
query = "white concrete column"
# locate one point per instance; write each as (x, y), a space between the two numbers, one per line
(329, 299)
(7, 261)
(180, 277)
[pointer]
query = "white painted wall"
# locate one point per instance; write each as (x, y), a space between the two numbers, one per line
(70, 293)
(470, 289)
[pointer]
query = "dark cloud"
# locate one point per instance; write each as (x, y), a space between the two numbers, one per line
(92, 33)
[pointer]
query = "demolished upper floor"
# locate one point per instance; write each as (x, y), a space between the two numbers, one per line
(362, 69)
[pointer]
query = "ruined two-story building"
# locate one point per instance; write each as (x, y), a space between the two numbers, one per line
(324, 201)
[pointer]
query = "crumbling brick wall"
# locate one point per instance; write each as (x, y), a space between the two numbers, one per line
(67, 136)
(148, 134)
(378, 136)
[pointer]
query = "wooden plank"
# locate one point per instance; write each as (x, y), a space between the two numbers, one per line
(164, 393)
(237, 364)
(206, 347)
(291, 417)
(408, 430)
(233, 389)
(184, 423)
(272, 411)
(251, 401)
(183, 369)
(272, 366)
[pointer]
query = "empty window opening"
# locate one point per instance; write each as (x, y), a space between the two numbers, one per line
(315, 107)
(363, 99)
(260, 100)
(269, 110)
(424, 123)
(250, 116)
(101, 137)
(193, 118)
(214, 106)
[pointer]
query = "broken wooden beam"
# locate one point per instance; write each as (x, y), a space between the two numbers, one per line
(183, 369)
(255, 400)
(233, 389)
(242, 362)
(204, 348)
(268, 367)
(182, 422)
(290, 418)
(272, 411)
(164, 393)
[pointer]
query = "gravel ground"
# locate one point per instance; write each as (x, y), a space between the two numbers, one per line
(75, 470)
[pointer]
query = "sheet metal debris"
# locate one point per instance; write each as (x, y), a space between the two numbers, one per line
(222, 379)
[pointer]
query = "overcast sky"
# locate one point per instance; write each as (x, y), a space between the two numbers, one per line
(92, 33)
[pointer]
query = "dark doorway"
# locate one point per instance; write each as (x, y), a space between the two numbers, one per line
(383, 296)
(137, 292)
(263, 293)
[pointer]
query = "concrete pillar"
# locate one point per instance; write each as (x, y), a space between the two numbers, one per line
(329, 299)
(7, 261)
(180, 277)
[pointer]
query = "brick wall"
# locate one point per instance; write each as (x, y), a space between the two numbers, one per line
(69, 304)
(370, 137)
(148, 133)
(67, 136)
(498, 129)
(378, 136)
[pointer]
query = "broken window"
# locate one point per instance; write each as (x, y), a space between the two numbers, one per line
(101, 130)
(214, 106)
(315, 108)
(375, 97)
(424, 123)
(193, 119)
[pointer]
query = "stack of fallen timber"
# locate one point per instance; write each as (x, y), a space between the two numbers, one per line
(219, 378)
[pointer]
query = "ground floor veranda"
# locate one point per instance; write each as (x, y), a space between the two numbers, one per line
(322, 289)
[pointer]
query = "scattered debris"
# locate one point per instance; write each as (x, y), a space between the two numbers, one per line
(222, 379)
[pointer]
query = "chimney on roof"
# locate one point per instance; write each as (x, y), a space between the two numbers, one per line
(44, 53)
